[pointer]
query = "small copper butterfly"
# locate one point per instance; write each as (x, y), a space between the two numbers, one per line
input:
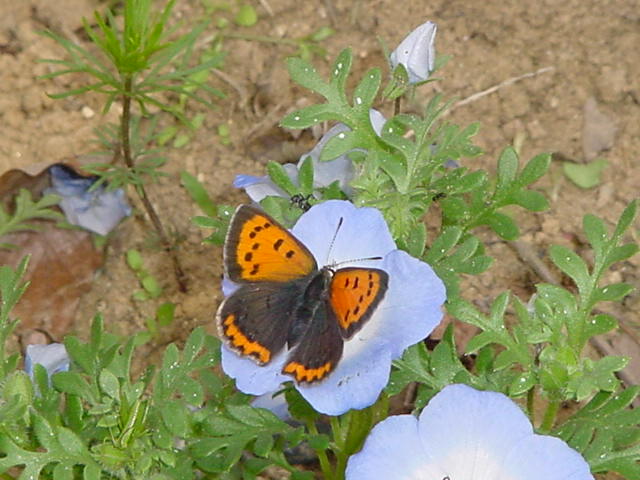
(285, 299)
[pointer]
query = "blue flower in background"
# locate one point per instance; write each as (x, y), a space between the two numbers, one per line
(52, 357)
(417, 53)
(465, 434)
(324, 173)
(97, 210)
(410, 310)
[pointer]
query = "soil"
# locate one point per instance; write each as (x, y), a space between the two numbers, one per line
(586, 103)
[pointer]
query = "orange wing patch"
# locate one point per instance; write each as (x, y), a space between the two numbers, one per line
(355, 293)
(259, 249)
(240, 342)
(308, 375)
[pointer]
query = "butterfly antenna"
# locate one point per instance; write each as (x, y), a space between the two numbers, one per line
(333, 240)
(352, 260)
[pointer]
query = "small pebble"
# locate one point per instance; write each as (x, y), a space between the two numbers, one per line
(87, 112)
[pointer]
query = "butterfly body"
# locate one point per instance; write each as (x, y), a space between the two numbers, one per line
(285, 301)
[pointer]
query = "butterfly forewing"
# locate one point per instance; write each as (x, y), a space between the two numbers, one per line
(354, 295)
(259, 249)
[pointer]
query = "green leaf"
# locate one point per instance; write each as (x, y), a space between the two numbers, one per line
(503, 225)
(618, 254)
(279, 176)
(151, 285)
(246, 16)
(613, 292)
(626, 219)
(600, 430)
(263, 444)
(507, 169)
(298, 407)
(366, 91)
(531, 200)
(109, 384)
(308, 116)
(198, 194)
(585, 175)
(534, 169)
(134, 260)
(70, 382)
(340, 144)
(174, 416)
(571, 264)
(447, 239)
(595, 231)
(599, 324)
(416, 240)
(341, 69)
(305, 176)
(522, 383)
(305, 75)
(164, 313)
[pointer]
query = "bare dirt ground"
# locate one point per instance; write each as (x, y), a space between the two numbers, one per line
(586, 103)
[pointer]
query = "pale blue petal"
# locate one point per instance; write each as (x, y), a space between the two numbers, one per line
(275, 402)
(228, 287)
(417, 52)
(377, 120)
(242, 180)
(52, 357)
(258, 188)
(356, 383)
(392, 451)
(467, 433)
(252, 378)
(479, 427)
(363, 234)
(412, 307)
(545, 457)
(98, 210)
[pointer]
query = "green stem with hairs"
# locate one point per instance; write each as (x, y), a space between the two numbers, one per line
(128, 160)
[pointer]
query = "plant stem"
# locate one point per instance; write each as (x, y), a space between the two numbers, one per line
(155, 219)
(550, 414)
(531, 396)
(261, 38)
(325, 465)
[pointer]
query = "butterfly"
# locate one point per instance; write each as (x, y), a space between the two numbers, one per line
(284, 299)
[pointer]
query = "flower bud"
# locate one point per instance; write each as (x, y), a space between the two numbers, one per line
(417, 52)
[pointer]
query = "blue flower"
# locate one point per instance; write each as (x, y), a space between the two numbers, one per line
(97, 210)
(324, 173)
(410, 310)
(465, 434)
(417, 53)
(52, 357)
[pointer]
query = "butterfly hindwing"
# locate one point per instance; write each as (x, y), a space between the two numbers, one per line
(318, 351)
(259, 249)
(354, 295)
(254, 320)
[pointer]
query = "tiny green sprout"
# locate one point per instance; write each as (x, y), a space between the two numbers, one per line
(150, 285)
(585, 175)
(224, 134)
(246, 16)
